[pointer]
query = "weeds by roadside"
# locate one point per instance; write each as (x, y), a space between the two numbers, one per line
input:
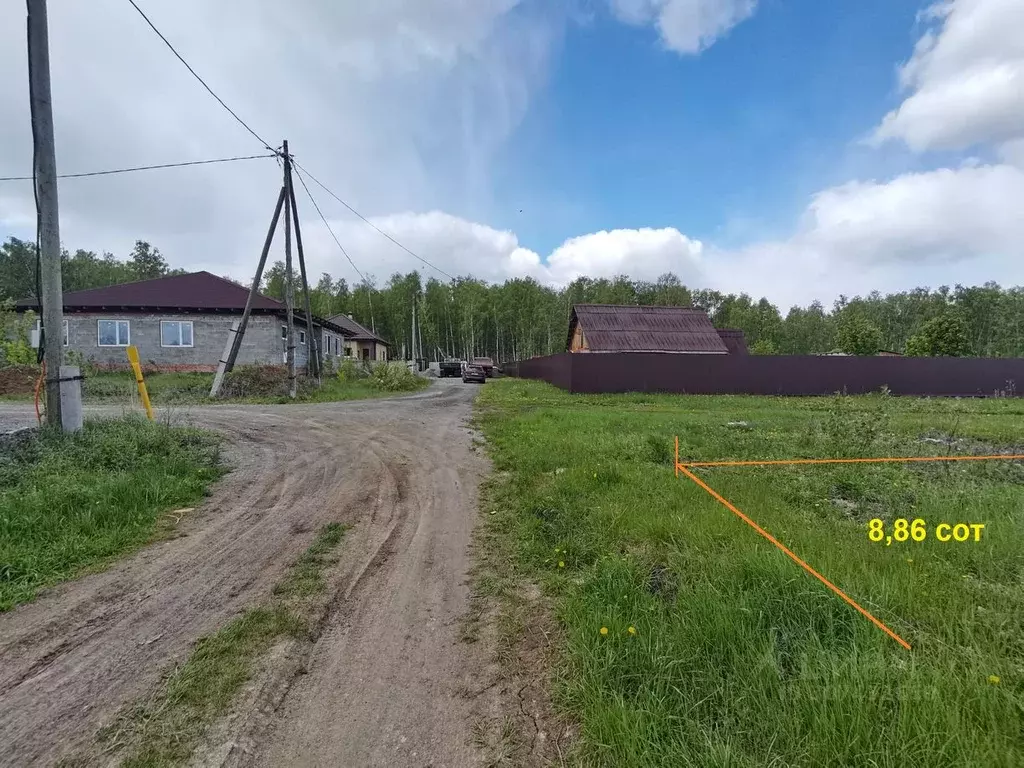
(254, 384)
(74, 501)
(164, 730)
(687, 640)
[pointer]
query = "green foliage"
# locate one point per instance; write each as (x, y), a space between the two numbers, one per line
(352, 370)
(15, 327)
(858, 426)
(521, 318)
(764, 347)
(396, 377)
(739, 657)
(944, 336)
(858, 336)
(75, 500)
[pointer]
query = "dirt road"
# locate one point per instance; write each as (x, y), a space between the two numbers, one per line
(386, 680)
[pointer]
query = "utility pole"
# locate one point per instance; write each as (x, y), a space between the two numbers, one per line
(44, 168)
(289, 285)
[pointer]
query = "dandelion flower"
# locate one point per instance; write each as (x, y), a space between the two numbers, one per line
(993, 679)
(561, 563)
(632, 630)
(604, 630)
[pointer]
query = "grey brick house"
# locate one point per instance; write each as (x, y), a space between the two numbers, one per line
(181, 323)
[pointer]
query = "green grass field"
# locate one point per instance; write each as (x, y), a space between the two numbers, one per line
(69, 502)
(737, 657)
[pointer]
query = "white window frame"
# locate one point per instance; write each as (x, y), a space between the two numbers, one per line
(179, 323)
(302, 338)
(128, 326)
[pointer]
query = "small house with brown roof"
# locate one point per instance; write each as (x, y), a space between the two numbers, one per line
(181, 323)
(360, 342)
(673, 330)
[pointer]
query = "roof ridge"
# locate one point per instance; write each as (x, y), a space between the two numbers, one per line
(236, 285)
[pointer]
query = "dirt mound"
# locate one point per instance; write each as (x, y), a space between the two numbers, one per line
(18, 379)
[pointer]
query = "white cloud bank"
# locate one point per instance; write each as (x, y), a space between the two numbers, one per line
(966, 79)
(686, 26)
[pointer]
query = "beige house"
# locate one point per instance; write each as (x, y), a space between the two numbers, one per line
(360, 342)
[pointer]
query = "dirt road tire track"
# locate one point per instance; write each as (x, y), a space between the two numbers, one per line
(400, 472)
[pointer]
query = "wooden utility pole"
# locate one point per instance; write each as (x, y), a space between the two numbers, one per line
(44, 168)
(313, 344)
(236, 335)
(289, 283)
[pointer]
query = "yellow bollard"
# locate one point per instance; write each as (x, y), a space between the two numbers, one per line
(133, 358)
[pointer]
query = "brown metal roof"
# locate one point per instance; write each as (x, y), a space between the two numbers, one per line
(195, 291)
(355, 331)
(617, 328)
(734, 340)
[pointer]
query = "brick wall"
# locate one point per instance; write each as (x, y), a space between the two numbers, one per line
(262, 342)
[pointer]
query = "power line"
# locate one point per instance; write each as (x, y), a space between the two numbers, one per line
(370, 223)
(141, 168)
(369, 288)
(197, 77)
(267, 145)
(326, 224)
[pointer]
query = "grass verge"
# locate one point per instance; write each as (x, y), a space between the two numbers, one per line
(165, 730)
(688, 640)
(69, 502)
(194, 388)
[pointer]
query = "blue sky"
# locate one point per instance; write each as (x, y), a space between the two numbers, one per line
(628, 133)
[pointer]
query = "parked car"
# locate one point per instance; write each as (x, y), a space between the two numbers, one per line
(474, 373)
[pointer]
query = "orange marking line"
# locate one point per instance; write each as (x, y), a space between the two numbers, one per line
(725, 502)
(776, 462)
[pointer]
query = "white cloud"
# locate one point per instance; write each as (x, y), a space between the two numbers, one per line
(941, 227)
(966, 78)
(395, 104)
(686, 26)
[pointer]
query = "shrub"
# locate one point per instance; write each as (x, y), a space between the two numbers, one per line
(352, 370)
(395, 377)
(14, 335)
(256, 381)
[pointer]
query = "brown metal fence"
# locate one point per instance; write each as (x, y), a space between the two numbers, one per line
(596, 373)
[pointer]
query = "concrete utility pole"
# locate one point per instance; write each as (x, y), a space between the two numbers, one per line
(44, 168)
(289, 285)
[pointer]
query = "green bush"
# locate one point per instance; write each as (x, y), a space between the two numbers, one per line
(395, 377)
(14, 335)
(352, 370)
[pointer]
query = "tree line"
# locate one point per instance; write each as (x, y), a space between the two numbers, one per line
(521, 318)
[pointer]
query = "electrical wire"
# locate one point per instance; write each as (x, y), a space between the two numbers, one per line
(277, 152)
(140, 168)
(369, 289)
(40, 342)
(370, 223)
(197, 77)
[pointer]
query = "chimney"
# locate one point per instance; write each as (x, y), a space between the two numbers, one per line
(349, 315)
